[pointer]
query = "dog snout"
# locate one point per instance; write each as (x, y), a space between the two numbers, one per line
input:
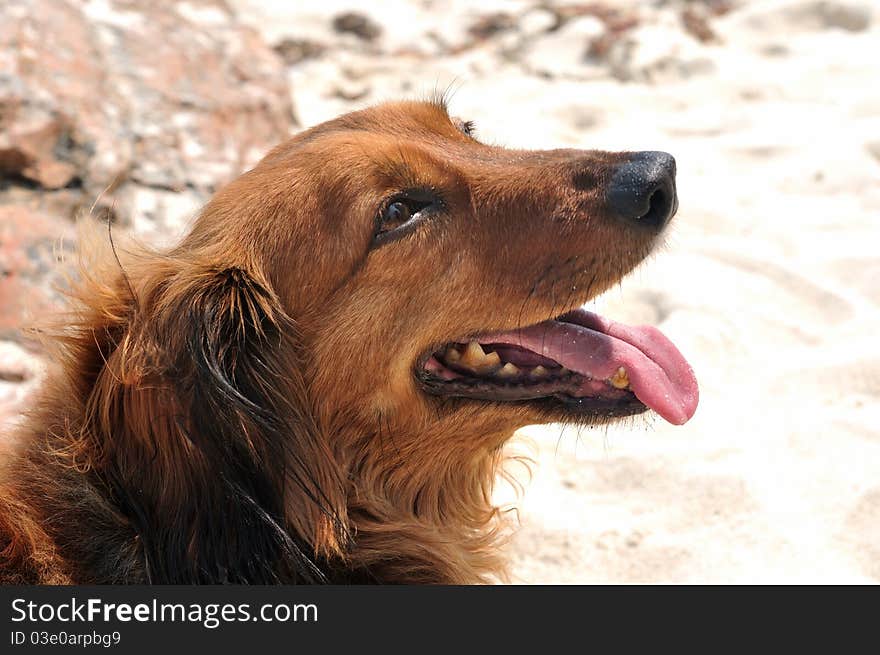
(641, 191)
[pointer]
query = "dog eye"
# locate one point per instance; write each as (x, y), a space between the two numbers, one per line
(395, 215)
(400, 212)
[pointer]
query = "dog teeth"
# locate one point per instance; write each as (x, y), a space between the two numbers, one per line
(509, 370)
(620, 380)
(476, 359)
(473, 354)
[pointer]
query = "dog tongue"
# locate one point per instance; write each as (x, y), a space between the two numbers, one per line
(596, 347)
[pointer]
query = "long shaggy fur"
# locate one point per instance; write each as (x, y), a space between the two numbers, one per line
(242, 409)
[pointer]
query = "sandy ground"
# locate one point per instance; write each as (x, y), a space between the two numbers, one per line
(769, 282)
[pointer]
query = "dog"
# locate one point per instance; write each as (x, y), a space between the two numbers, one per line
(317, 383)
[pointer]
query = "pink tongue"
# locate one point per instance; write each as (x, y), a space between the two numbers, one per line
(596, 347)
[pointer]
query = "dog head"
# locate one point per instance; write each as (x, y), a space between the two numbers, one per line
(349, 334)
(437, 279)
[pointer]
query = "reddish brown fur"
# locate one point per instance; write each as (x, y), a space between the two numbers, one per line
(243, 408)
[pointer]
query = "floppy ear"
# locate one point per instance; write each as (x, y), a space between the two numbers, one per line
(207, 445)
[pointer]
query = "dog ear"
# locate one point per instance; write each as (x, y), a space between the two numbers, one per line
(207, 445)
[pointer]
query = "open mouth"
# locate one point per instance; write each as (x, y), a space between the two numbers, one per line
(588, 363)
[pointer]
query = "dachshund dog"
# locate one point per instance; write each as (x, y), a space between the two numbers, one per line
(317, 383)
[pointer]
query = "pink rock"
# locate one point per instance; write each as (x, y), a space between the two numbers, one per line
(20, 374)
(168, 96)
(32, 273)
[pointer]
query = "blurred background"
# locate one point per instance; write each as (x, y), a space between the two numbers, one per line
(769, 281)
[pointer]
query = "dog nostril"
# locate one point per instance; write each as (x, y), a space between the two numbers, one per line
(659, 209)
(641, 191)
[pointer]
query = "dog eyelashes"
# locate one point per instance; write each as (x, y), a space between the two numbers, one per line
(468, 128)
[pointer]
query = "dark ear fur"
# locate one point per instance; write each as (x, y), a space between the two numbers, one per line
(205, 441)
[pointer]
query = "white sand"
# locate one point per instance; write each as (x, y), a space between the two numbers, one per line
(770, 281)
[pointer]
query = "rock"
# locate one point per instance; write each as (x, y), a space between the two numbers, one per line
(361, 25)
(489, 25)
(697, 25)
(164, 96)
(563, 52)
(20, 374)
(657, 53)
(538, 20)
(713, 7)
(853, 17)
(17, 365)
(809, 15)
(352, 90)
(32, 275)
(615, 19)
(31, 152)
(159, 216)
(293, 51)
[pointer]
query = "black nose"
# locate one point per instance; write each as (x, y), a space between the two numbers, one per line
(642, 190)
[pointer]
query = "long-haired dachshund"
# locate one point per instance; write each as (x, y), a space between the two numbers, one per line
(317, 383)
